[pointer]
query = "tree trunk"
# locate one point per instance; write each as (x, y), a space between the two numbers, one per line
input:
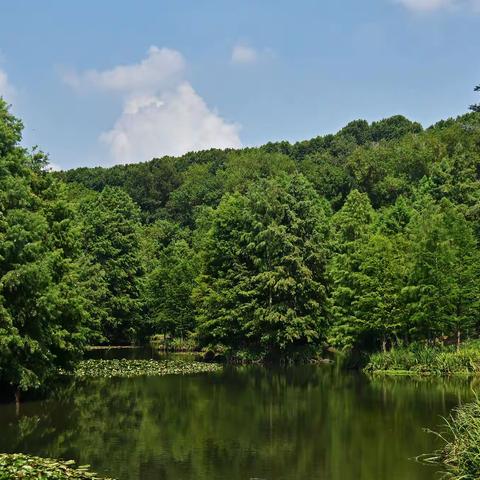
(459, 335)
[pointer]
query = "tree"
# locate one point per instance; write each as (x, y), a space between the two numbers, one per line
(476, 107)
(393, 128)
(382, 274)
(168, 290)
(263, 286)
(442, 292)
(242, 169)
(111, 236)
(200, 188)
(351, 229)
(45, 291)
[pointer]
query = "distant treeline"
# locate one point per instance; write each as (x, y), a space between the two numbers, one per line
(360, 240)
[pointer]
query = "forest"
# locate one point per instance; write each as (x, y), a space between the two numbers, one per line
(363, 240)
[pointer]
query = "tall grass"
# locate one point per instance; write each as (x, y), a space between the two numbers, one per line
(422, 359)
(461, 453)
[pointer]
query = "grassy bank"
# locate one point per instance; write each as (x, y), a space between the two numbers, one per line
(18, 465)
(422, 359)
(137, 368)
(460, 454)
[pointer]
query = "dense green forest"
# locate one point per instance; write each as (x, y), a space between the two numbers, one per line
(362, 240)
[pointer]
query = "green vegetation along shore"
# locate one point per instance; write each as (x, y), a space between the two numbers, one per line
(422, 359)
(460, 454)
(28, 467)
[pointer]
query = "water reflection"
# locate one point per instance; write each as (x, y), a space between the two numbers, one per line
(275, 424)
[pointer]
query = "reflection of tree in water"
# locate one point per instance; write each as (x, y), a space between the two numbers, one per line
(296, 423)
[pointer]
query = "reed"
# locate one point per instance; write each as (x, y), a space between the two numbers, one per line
(423, 359)
(460, 454)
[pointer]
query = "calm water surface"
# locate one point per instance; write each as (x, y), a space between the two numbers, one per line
(308, 422)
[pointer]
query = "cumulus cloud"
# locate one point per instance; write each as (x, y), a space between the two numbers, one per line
(162, 114)
(169, 124)
(243, 54)
(159, 69)
(434, 5)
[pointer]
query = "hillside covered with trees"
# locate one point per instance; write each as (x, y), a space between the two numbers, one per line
(362, 240)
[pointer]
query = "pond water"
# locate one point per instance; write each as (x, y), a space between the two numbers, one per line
(295, 423)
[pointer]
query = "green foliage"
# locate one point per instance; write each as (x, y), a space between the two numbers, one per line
(351, 227)
(45, 281)
(461, 452)
(139, 368)
(28, 467)
(410, 274)
(111, 237)
(168, 290)
(442, 291)
(201, 187)
(263, 284)
(423, 359)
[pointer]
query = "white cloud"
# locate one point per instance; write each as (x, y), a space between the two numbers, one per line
(159, 69)
(426, 6)
(243, 54)
(172, 123)
(162, 114)
(6, 88)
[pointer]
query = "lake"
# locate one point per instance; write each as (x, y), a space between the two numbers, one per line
(293, 423)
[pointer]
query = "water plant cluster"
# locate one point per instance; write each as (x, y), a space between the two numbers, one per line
(461, 452)
(19, 465)
(422, 359)
(138, 368)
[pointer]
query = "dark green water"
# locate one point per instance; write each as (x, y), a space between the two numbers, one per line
(247, 423)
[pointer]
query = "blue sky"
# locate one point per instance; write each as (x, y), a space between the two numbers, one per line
(112, 81)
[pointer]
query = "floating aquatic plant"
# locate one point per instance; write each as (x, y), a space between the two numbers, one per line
(19, 465)
(137, 368)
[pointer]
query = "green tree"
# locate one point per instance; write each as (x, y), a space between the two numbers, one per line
(168, 290)
(244, 168)
(263, 286)
(351, 229)
(45, 289)
(201, 187)
(111, 236)
(382, 274)
(442, 291)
